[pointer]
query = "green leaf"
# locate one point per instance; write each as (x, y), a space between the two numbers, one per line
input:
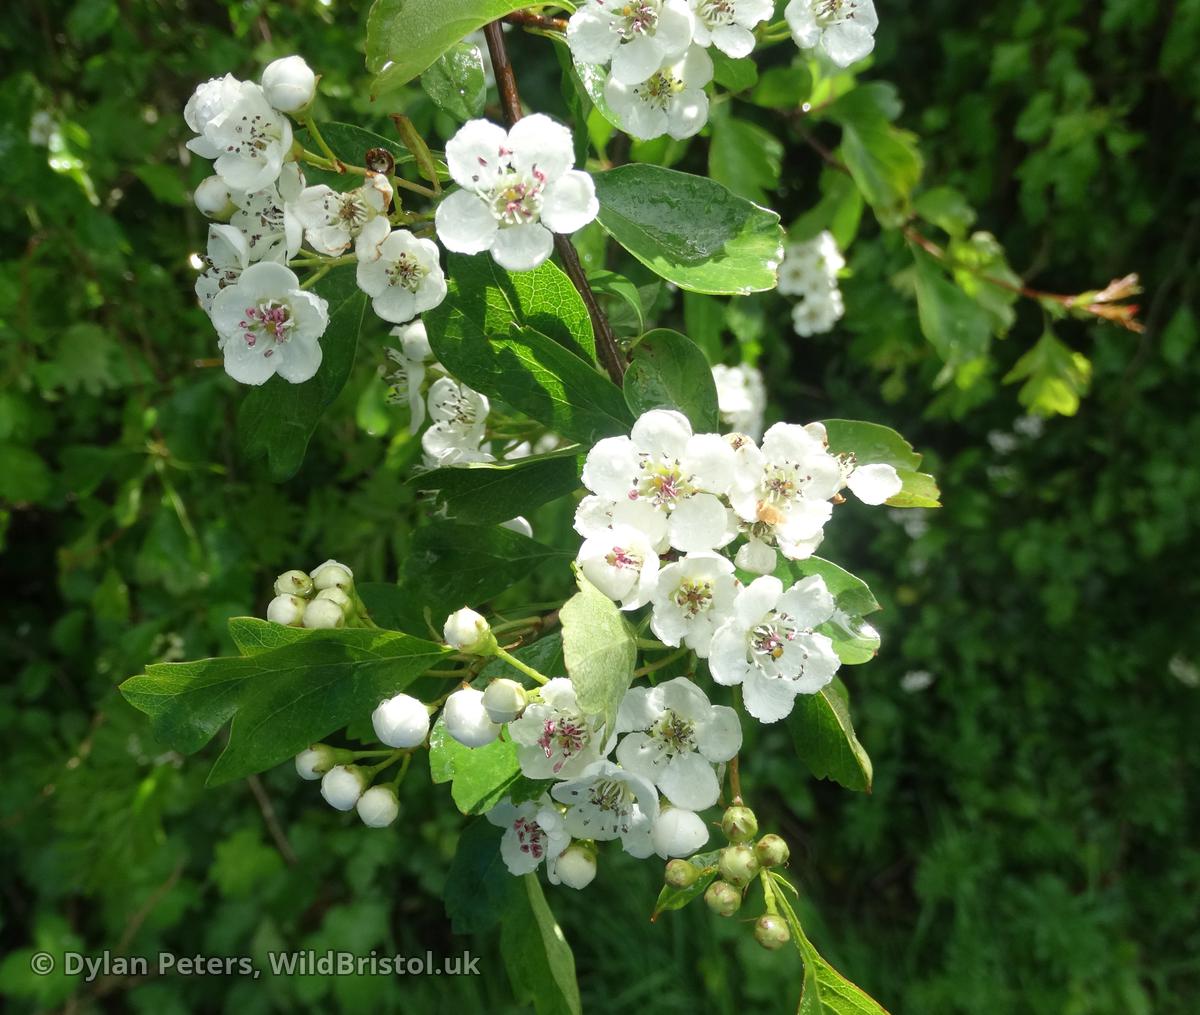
(670, 371)
(824, 738)
(947, 209)
(956, 326)
(782, 87)
(676, 898)
(487, 493)
(600, 651)
(883, 160)
(277, 420)
(545, 655)
(920, 490)
(690, 230)
(281, 699)
(609, 283)
(735, 75)
(24, 476)
(406, 36)
(745, 158)
(828, 992)
(479, 889)
(350, 143)
(456, 83)
(539, 961)
(1056, 377)
(253, 636)
(481, 777)
(871, 444)
(850, 593)
(839, 210)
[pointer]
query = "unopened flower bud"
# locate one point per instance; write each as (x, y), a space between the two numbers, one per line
(681, 874)
(342, 786)
(678, 832)
(378, 806)
(286, 610)
(336, 595)
(467, 720)
(771, 931)
(468, 632)
(739, 824)
(771, 851)
(722, 898)
(213, 199)
(321, 614)
(738, 864)
(313, 763)
(504, 700)
(289, 84)
(575, 867)
(402, 721)
(331, 575)
(294, 583)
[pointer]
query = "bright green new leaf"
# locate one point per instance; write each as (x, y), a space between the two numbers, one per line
(670, 371)
(825, 741)
(828, 992)
(871, 444)
(406, 36)
(456, 83)
(733, 74)
(600, 651)
(540, 964)
(277, 419)
(481, 776)
(691, 230)
(1055, 375)
(957, 327)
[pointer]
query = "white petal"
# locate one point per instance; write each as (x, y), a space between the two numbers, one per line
(542, 144)
(662, 431)
(465, 224)
(246, 365)
(847, 43)
(699, 523)
(473, 154)
(611, 467)
(821, 665)
(808, 602)
(689, 781)
(590, 35)
(756, 557)
(569, 203)
(720, 738)
(768, 699)
(874, 484)
(727, 655)
(756, 600)
(635, 60)
(733, 40)
(687, 113)
(522, 248)
(637, 118)
(298, 360)
(711, 462)
(676, 25)
(806, 33)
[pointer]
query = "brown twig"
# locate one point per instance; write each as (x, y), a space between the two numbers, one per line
(735, 781)
(528, 19)
(607, 346)
(272, 822)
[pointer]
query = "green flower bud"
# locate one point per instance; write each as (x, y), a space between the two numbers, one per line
(739, 824)
(738, 865)
(681, 874)
(722, 898)
(771, 931)
(294, 583)
(771, 851)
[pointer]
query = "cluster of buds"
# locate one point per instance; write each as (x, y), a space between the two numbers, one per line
(347, 786)
(322, 599)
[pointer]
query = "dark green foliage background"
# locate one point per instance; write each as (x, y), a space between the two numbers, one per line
(1031, 843)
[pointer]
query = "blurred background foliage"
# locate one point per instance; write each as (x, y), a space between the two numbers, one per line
(1031, 843)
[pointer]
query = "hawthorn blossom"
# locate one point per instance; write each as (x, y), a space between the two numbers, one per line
(818, 312)
(844, 30)
(227, 256)
(595, 515)
(622, 563)
(459, 417)
(741, 398)
(729, 24)
(555, 739)
(770, 648)
(518, 189)
(405, 380)
(533, 832)
(239, 128)
(333, 220)
(267, 217)
(405, 277)
(694, 596)
(637, 36)
(606, 802)
(810, 272)
(680, 474)
(670, 101)
(675, 736)
(268, 325)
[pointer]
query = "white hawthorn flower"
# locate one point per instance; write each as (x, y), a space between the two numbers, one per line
(622, 563)
(680, 474)
(677, 738)
(268, 325)
(459, 417)
(608, 803)
(810, 265)
(872, 483)
(401, 721)
(518, 188)
(378, 807)
(333, 220)
(404, 382)
(693, 598)
(555, 739)
(729, 24)
(670, 101)
(267, 217)
(844, 30)
(405, 279)
(818, 312)
(783, 491)
(533, 833)
(638, 36)
(596, 515)
(289, 84)
(678, 832)
(466, 720)
(239, 128)
(741, 397)
(227, 256)
(770, 648)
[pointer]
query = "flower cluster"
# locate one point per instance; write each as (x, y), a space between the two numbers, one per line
(656, 51)
(810, 272)
(322, 599)
(741, 398)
